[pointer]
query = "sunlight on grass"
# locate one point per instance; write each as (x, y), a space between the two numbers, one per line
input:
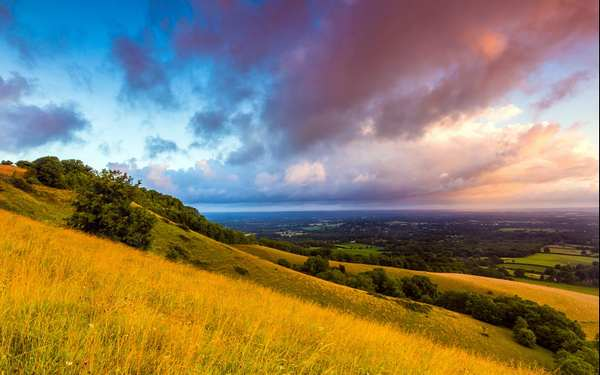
(72, 303)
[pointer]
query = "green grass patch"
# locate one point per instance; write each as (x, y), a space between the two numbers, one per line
(357, 249)
(550, 260)
(575, 288)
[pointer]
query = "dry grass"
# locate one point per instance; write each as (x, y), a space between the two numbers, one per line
(71, 303)
(578, 306)
(11, 170)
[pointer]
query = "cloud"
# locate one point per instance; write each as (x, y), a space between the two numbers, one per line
(247, 153)
(387, 63)
(209, 126)
(156, 146)
(13, 88)
(26, 126)
(474, 161)
(561, 90)
(305, 173)
(144, 76)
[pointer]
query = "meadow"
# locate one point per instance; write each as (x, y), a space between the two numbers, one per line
(72, 303)
(551, 259)
(357, 249)
(582, 307)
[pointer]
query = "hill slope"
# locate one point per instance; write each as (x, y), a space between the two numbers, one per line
(579, 306)
(444, 326)
(72, 303)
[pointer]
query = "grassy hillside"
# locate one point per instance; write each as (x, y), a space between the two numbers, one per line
(72, 303)
(444, 326)
(578, 306)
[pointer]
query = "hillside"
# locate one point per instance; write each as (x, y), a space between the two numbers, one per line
(72, 303)
(444, 326)
(579, 306)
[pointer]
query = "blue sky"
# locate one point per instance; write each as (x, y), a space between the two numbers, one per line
(304, 104)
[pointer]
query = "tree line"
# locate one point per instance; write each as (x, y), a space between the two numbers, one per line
(532, 324)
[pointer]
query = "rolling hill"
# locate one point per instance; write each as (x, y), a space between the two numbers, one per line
(73, 303)
(180, 245)
(579, 306)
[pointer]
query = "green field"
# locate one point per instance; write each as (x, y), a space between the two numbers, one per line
(550, 260)
(524, 267)
(569, 250)
(357, 249)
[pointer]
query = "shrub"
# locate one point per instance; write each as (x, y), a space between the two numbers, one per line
(283, 262)
(6, 162)
(105, 208)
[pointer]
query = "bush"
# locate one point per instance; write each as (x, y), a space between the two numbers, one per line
(49, 171)
(105, 208)
(283, 262)
(6, 162)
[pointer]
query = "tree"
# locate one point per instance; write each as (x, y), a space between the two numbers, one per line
(49, 171)
(105, 208)
(418, 286)
(6, 162)
(315, 265)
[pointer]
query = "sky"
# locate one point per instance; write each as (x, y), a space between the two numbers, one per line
(315, 104)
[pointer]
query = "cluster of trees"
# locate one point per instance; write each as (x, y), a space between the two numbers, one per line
(105, 202)
(105, 207)
(188, 217)
(421, 261)
(532, 324)
(585, 274)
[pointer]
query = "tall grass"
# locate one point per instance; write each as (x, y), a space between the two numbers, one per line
(578, 306)
(72, 303)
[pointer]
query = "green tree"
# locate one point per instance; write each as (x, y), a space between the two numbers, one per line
(105, 207)
(315, 265)
(49, 171)
(417, 286)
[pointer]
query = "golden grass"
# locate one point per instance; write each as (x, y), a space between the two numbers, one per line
(578, 306)
(72, 303)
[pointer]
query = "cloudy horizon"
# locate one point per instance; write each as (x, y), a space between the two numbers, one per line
(246, 105)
